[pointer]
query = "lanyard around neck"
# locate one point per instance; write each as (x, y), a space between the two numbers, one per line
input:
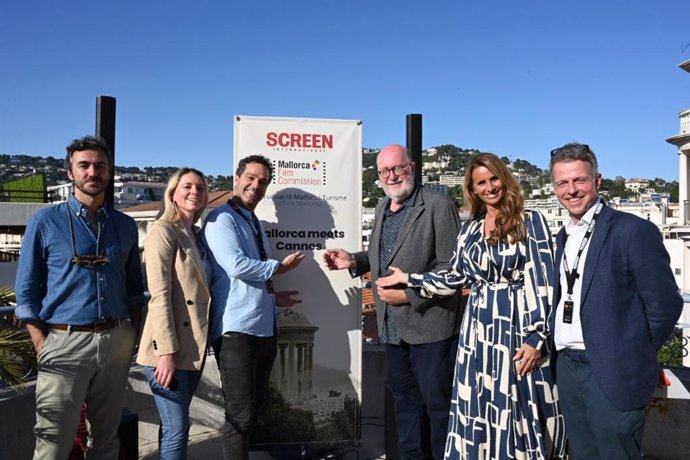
(254, 225)
(571, 274)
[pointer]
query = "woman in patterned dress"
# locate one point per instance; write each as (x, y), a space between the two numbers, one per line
(505, 403)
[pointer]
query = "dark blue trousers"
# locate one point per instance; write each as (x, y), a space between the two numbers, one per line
(421, 380)
(597, 430)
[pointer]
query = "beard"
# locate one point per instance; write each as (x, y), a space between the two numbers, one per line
(250, 197)
(92, 187)
(400, 193)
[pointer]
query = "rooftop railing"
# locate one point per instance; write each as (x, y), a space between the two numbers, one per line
(27, 196)
(6, 256)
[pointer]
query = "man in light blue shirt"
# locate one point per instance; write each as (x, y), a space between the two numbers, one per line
(78, 283)
(243, 326)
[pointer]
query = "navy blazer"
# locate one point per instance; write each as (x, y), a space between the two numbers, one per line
(630, 304)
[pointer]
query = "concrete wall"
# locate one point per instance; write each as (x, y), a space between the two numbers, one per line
(17, 412)
(665, 437)
(18, 214)
(17, 418)
(8, 273)
(679, 254)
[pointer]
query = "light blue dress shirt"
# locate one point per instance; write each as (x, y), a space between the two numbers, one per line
(240, 301)
(51, 288)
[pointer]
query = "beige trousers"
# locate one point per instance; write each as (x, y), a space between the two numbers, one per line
(78, 367)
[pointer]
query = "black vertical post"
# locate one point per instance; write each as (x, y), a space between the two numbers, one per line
(105, 128)
(414, 142)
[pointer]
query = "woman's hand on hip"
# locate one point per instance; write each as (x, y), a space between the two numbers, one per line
(165, 370)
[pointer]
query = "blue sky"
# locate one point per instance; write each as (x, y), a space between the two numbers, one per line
(516, 78)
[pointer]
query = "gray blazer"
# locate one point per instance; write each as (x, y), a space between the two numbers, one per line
(425, 243)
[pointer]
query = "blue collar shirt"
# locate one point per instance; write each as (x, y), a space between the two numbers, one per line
(50, 288)
(240, 301)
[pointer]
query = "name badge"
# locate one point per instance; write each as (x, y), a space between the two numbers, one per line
(568, 312)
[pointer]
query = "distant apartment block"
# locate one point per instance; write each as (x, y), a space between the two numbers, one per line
(636, 185)
(127, 193)
(451, 179)
(441, 188)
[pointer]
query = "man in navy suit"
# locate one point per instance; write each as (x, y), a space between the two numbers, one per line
(616, 303)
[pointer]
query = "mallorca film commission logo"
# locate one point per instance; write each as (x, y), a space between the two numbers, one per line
(291, 172)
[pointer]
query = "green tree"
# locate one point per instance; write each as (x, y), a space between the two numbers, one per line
(17, 356)
(370, 188)
(528, 168)
(456, 194)
(671, 353)
(220, 183)
(616, 188)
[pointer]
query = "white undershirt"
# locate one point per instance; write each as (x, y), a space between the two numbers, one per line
(570, 335)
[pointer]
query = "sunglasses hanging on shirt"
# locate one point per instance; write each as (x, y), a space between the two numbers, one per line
(86, 260)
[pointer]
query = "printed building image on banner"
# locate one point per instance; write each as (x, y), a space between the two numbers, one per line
(313, 203)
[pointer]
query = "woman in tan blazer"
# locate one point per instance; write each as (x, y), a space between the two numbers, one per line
(173, 343)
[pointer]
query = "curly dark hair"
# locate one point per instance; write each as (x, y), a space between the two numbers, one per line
(88, 143)
(260, 159)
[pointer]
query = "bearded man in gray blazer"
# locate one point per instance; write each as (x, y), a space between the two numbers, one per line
(415, 229)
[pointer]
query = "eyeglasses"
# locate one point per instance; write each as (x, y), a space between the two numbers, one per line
(397, 170)
(86, 260)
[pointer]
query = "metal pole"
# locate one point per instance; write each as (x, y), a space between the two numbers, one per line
(105, 128)
(414, 142)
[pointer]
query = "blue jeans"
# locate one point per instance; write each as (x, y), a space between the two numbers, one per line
(421, 380)
(173, 408)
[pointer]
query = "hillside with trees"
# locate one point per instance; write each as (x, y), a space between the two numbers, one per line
(531, 177)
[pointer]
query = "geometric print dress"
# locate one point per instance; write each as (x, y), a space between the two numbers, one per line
(496, 414)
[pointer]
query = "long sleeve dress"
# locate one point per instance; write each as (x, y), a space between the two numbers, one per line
(496, 414)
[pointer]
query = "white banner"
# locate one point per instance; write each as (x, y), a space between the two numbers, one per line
(313, 203)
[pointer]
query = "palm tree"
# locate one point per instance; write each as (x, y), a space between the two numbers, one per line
(17, 355)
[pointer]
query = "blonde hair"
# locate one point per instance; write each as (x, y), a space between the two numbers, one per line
(510, 224)
(168, 210)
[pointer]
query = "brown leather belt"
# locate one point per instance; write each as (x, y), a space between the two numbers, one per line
(98, 327)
